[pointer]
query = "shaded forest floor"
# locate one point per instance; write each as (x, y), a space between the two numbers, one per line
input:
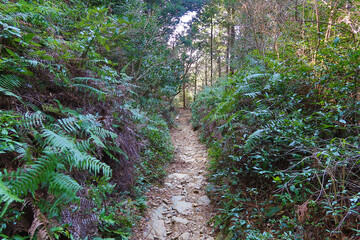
(178, 208)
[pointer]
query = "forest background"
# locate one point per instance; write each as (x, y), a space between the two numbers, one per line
(87, 95)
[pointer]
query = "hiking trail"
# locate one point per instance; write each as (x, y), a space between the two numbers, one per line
(179, 208)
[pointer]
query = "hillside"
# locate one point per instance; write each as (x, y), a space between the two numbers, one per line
(280, 114)
(90, 88)
(85, 99)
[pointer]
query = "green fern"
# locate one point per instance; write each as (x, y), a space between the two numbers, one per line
(256, 76)
(101, 94)
(8, 93)
(76, 157)
(60, 183)
(57, 141)
(90, 125)
(8, 19)
(115, 149)
(88, 121)
(33, 120)
(252, 94)
(274, 79)
(96, 139)
(102, 133)
(86, 79)
(33, 63)
(11, 82)
(108, 84)
(69, 124)
(43, 170)
(6, 197)
(247, 88)
(259, 112)
(89, 163)
(29, 178)
(83, 145)
(254, 139)
(60, 152)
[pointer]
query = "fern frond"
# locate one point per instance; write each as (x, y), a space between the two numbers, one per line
(88, 121)
(276, 123)
(33, 63)
(60, 183)
(101, 94)
(86, 79)
(97, 140)
(252, 94)
(259, 112)
(40, 226)
(11, 82)
(88, 162)
(83, 145)
(69, 124)
(90, 118)
(29, 178)
(33, 120)
(103, 133)
(8, 19)
(7, 197)
(254, 139)
(57, 141)
(91, 126)
(246, 88)
(117, 150)
(74, 155)
(8, 93)
(256, 76)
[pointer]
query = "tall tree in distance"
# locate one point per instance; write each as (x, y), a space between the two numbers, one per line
(171, 11)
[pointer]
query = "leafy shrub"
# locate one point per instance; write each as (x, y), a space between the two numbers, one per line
(158, 150)
(284, 155)
(68, 141)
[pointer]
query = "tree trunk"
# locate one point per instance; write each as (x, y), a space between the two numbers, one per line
(303, 27)
(231, 41)
(195, 90)
(219, 64)
(196, 75)
(276, 48)
(206, 73)
(211, 51)
(184, 97)
(227, 50)
(318, 32)
(331, 20)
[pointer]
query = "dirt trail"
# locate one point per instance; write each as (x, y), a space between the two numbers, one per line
(179, 209)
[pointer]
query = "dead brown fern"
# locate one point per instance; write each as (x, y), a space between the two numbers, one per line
(40, 226)
(302, 212)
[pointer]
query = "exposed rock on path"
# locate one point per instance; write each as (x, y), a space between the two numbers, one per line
(179, 209)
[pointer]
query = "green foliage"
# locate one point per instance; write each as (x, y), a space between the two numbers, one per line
(8, 122)
(280, 142)
(158, 151)
(68, 140)
(6, 197)
(10, 83)
(58, 153)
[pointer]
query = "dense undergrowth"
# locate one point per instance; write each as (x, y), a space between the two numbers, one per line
(84, 116)
(284, 141)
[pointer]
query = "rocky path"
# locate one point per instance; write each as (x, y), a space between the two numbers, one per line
(179, 209)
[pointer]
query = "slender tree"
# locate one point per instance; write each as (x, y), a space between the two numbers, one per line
(211, 50)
